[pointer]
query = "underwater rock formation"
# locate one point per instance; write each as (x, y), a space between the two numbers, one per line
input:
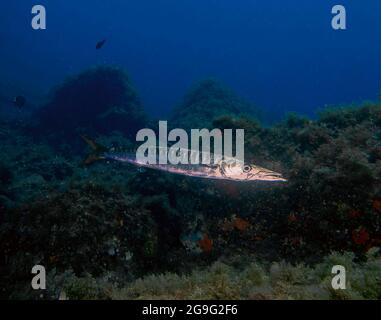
(246, 278)
(333, 166)
(88, 230)
(99, 100)
(206, 101)
(239, 277)
(137, 222)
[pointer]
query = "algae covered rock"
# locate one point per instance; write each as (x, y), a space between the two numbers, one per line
(99, 100)
(206, 101)
(88, 230)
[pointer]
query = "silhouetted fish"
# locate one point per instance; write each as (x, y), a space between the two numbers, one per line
(100, 44)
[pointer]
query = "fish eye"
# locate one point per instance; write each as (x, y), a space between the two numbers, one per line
(246, 169)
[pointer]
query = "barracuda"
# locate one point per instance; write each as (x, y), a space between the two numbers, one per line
(224, 168)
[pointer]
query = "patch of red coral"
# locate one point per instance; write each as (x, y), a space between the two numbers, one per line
(377, 204)
(360, 236)
(241, 224)
(206, 244)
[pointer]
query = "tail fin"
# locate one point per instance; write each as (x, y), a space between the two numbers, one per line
(98, 149)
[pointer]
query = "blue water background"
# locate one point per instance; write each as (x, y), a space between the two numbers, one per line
(282, 55)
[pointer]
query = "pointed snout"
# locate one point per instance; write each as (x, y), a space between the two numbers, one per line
(268, 175)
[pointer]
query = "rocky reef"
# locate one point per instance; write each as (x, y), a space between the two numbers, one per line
(98, 100)
(207, 100)
(112, 231)
(227, 280)
(333, 165)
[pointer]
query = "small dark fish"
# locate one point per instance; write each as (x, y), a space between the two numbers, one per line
(19, 101)
(100, 44)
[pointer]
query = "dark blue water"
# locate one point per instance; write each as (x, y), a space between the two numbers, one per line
(282, 55)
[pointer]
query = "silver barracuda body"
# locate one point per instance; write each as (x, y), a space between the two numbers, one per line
(193, 164)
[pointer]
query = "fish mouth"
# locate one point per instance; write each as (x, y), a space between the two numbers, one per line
(275, 178)
(272, 176)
